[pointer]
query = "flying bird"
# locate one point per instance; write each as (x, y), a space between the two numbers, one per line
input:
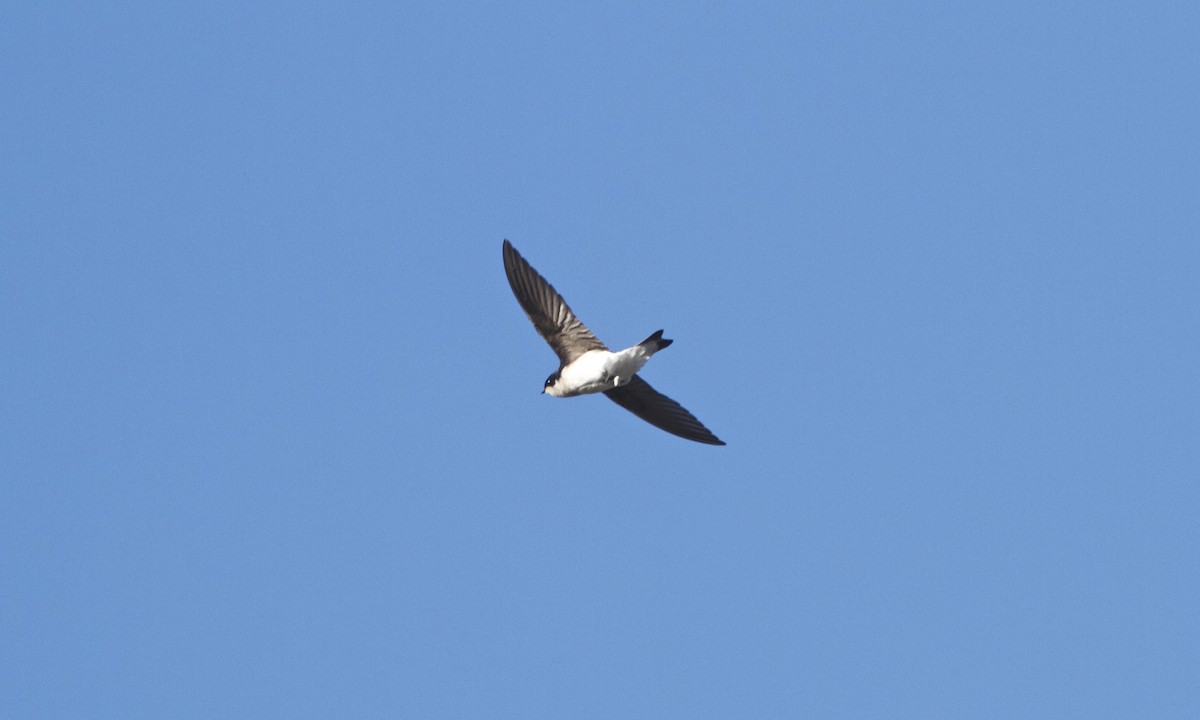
(587, 366)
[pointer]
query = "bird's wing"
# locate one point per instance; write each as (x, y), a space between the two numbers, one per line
(550, 314)
(660, 411)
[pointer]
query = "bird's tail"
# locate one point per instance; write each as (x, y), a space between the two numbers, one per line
(655, 342)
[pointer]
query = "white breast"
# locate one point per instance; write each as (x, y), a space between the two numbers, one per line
(599, 370)
(586, 375)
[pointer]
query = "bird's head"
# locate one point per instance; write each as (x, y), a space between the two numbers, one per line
(551, 386)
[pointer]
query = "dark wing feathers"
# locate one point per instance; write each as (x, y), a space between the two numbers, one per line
(660, 411)
(554, 321)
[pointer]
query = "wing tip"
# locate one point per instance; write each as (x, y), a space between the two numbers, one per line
(708, 439)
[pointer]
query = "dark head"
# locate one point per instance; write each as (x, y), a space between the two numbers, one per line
(551, 382)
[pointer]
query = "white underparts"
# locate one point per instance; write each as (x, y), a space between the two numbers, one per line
(599, 370)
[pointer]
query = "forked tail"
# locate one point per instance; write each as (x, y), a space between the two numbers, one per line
(655, 342)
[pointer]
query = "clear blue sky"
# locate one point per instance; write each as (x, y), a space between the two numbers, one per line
(272, 438)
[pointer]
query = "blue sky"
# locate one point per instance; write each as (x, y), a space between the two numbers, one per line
(273, 443)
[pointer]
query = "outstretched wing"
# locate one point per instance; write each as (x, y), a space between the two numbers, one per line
(660, 411)
(550, 314)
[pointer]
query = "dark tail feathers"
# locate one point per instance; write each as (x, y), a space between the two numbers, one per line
(656, 342)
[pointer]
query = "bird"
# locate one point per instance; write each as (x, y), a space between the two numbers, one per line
(587, 366)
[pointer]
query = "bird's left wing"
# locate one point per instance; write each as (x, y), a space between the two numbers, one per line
(554, 320)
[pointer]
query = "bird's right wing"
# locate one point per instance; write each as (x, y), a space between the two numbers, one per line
(660, 411)
(550, 314)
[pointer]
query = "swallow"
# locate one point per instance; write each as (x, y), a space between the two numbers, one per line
(587, 366)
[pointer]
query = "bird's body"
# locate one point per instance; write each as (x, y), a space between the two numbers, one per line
(599, 370)
(587, 366)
